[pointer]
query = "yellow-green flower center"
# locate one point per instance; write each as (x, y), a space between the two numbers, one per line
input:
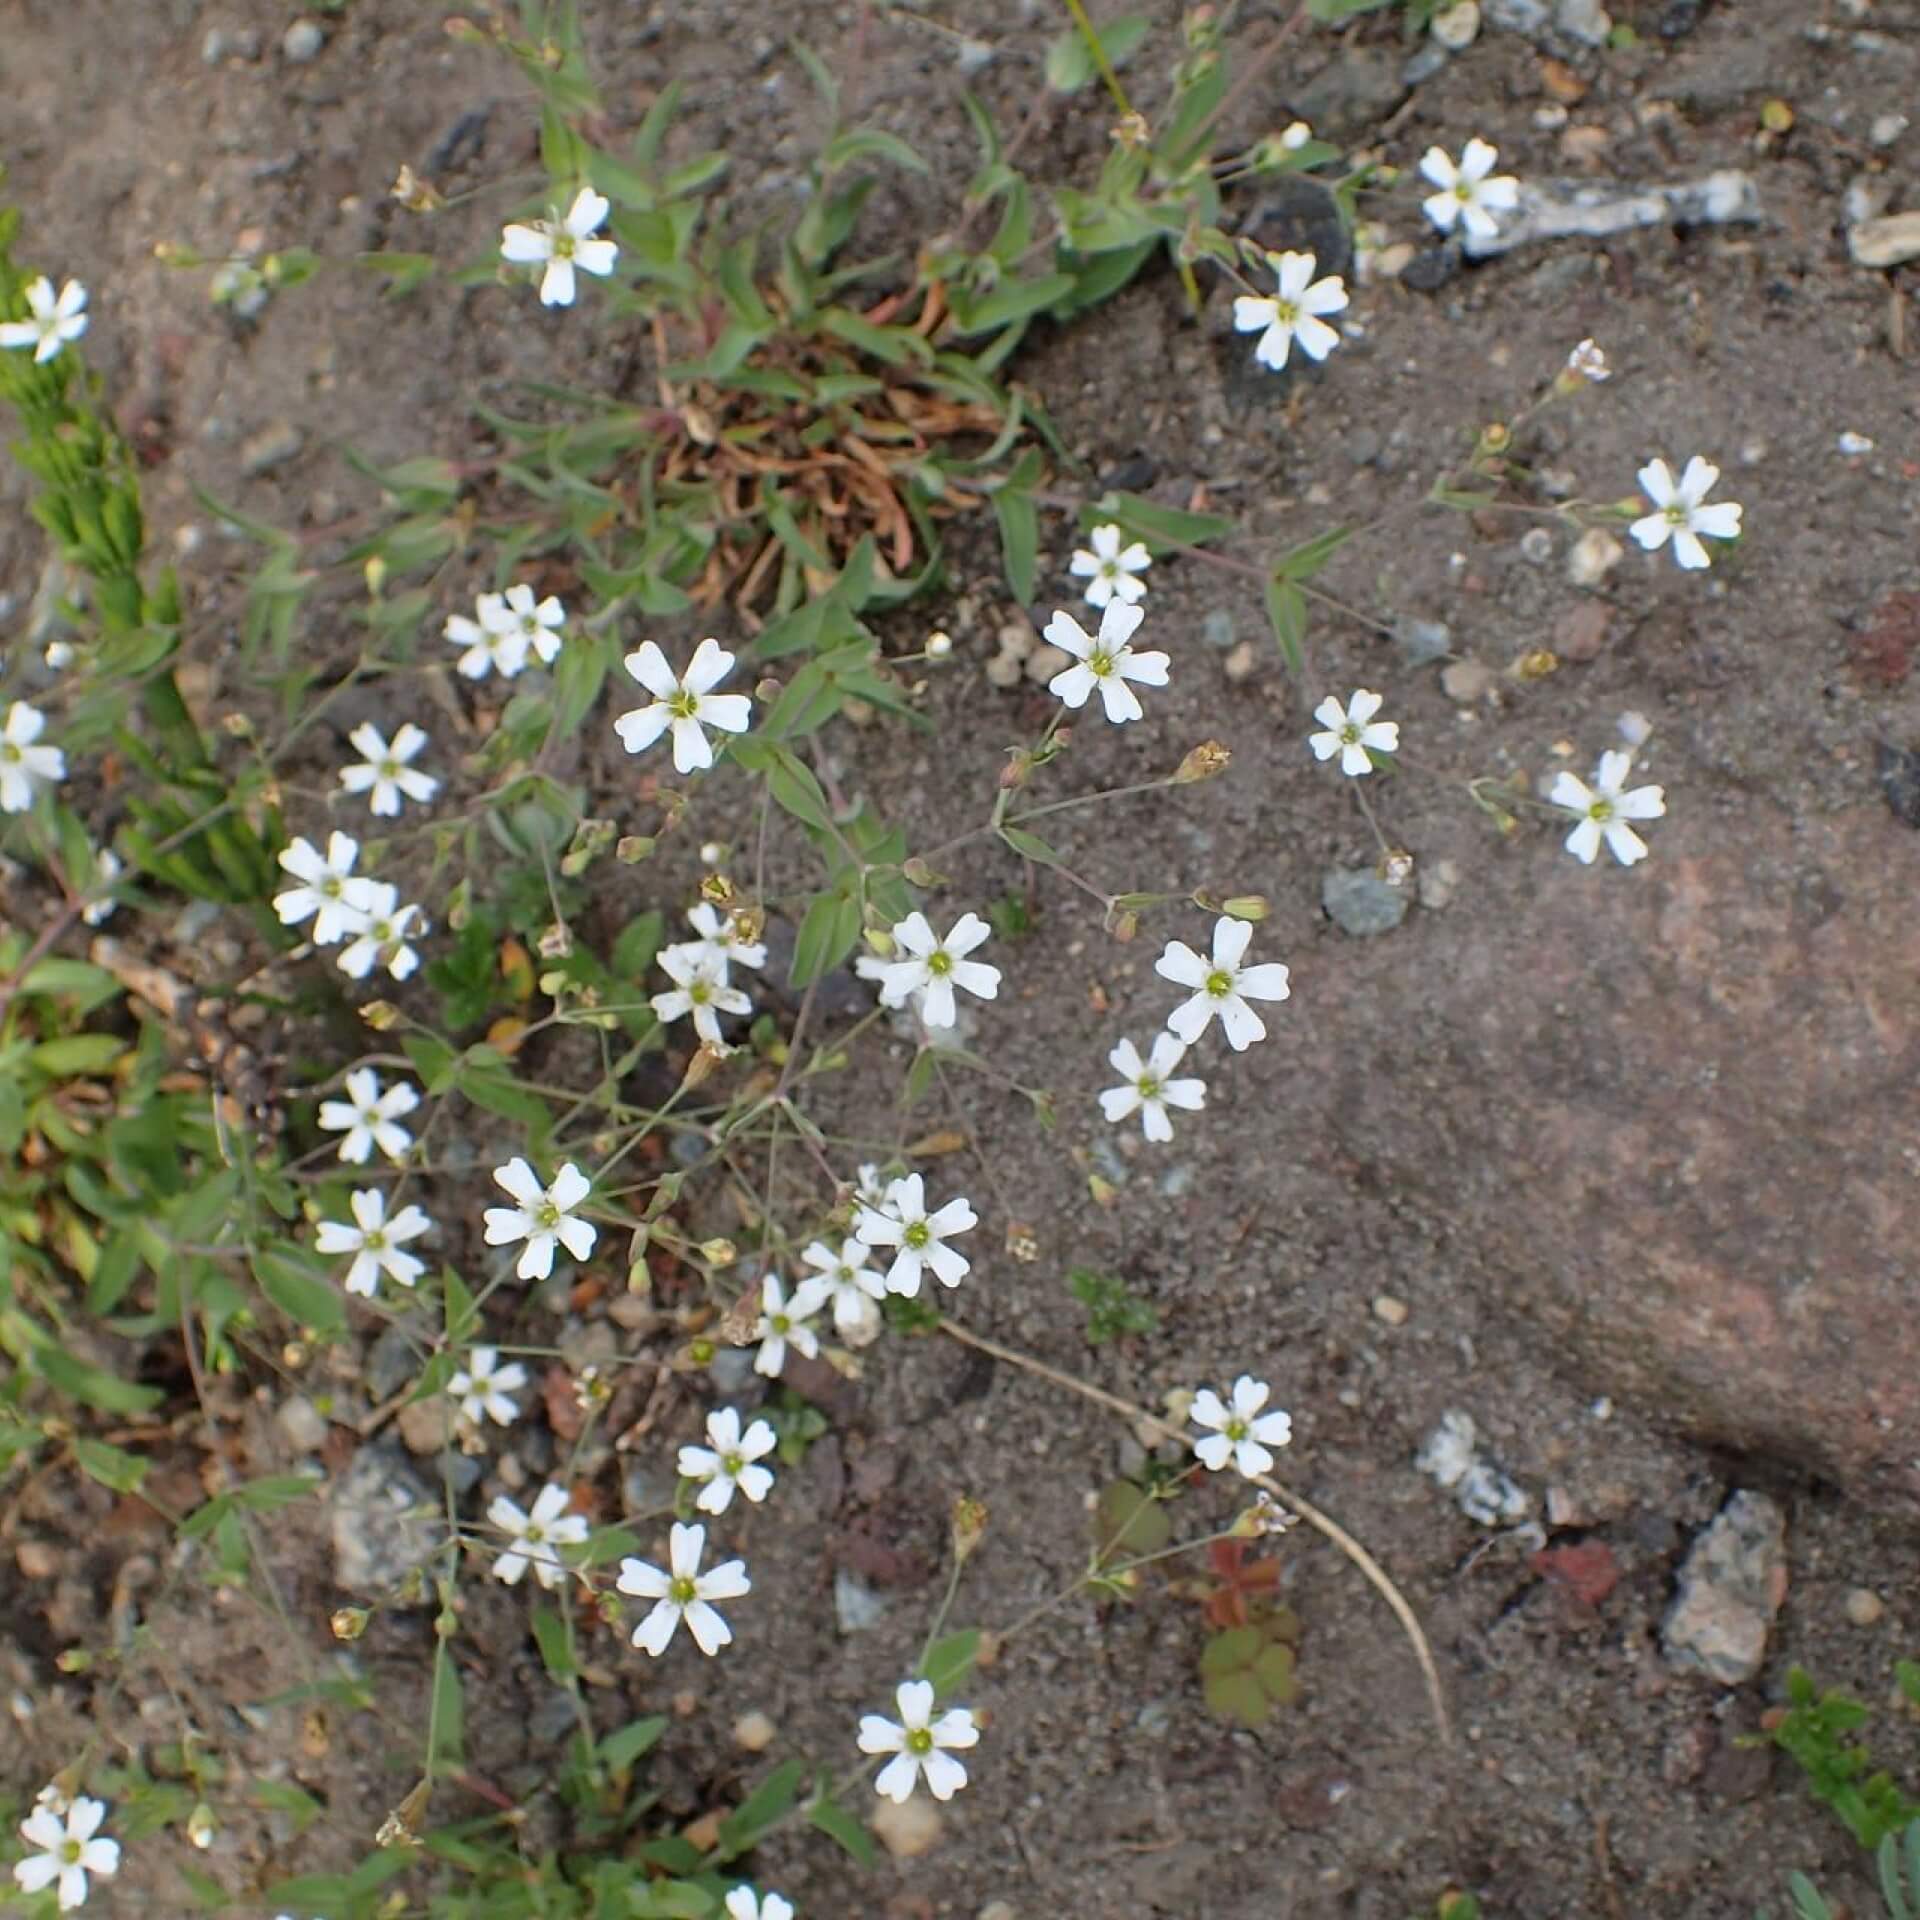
(1287, 312)
(70, 1851)
(682, 1591)
(732, 1465)
(780, 1322)
(1148, 1086)
(1100, 663)
(1236, 1428)
(1676, 514)
(1600, 809)
(563, 244)
(1350, 734)
(918, 1235)
(684, 705)
(546, 1215)
(939, 963)
(1219, 983)
(10, 753)
(920, 1740)
(375, 1240)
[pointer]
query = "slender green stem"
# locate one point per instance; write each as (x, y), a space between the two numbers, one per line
(1098, 54)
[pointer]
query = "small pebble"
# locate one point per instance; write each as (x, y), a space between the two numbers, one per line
(1217, 629)
(1466, 681)
(1390, 1309)
(1438, 883)
(302, 42)
(1360, 903)
(1045, 661)
(1851, 443)
(1422, 641)
(1864, 1606)
(273, 446)
(1595, 555)
(1241, 663)
(907, 1828)
(1457, 26)
(1536, 545)
(755, 1732)
(1887, 128)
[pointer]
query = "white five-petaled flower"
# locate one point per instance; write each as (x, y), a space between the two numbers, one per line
(1605, 808)
(784, 1322)
(382, 938)
(1352, 732)
(483, 1388)
(330, 893)
(1110, 570)
(375, 1241)
(1149, 1091)
(540, 627)
(728, 1461)
(1241, 1432)
(700, 988)
(721, 937)
(744, 1904)
(536, 1534)
(370, 1117)
(1221, 986)
(852, 1285)
(383, 773)
(919, 1237)
(71, 1846)
(52, 320)
(1679, 514)
(544, 1219)
(683, 1592)
(933, 967)
(1293, 311)
(492, 639)
(686, 703)
(919, 1743)
(562, 244)
(24, 763)
(1470, 194)
(1104, 661)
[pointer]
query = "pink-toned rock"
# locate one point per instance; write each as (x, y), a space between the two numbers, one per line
(1675, 1113)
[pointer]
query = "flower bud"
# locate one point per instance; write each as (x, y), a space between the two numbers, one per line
(939, 645)
(375, 574)
(381, 1015)
(968, 1526)
(717, 890)
(201, 1826)
(633, 848)
(1246, 906)
(348, 1623)
(415, 193)
(1202, 763)
(1123, 926)
(1536, 663)
(718, 1252)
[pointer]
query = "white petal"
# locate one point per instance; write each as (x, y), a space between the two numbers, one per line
(656, 1631)
(517, 1179)
(711, 663)
(1656, 482)
(1316, 338)
(525, 246)
(1584, 841)
(709, 1630)
(879, 1734)
(945, 1775)
(1240, 1023)
(895, 1780)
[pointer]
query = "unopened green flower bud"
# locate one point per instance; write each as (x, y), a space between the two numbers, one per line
(1246, 906)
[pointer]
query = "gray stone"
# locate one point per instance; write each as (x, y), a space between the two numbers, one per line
(855, 1604)
(730, 1369)
(273, 446)
(553, 1719)
(302, 1425)
(1353, 92)
(1516, 16)
(302, 42)
(1217, 629)
(1421, 642)
(1359, 902)
(1593, 209)
(1585, 21)
(385, 1522)
(392, 1361)
(1732, 1584)
(1424, 64)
